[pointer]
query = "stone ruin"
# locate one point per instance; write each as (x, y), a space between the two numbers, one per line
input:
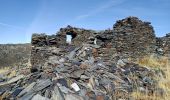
(80, 64)
(163, 44)
(129, 38)
(134, 37)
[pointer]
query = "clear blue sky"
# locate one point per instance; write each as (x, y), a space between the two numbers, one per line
(20, 18)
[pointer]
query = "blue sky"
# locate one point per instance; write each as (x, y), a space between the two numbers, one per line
(20, 18)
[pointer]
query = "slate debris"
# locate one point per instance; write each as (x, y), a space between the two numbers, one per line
(93, 67)
(130, 38)
(100, 79)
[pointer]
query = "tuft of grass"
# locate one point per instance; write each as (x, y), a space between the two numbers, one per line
(164, 83)
(163, 64)
(4, 70)
(153, 62)
(142, 96)
(8, 72)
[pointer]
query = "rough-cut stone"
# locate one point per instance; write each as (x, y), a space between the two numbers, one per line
(163, 44)
(92, 67)
(134, 37)
(73, 97)
(15, 79)
(39, 97)
(27, 89)
(129, 38)
(57, 94)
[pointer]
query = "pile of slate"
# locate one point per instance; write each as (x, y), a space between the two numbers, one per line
(39, 55)
(81, 75)
(95, 66)
(130, 38)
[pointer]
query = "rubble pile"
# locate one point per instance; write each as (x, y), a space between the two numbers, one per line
(130, 38)
(134, 37)
(79, 75)
(44, 46)
(92, 66)
(41, 54)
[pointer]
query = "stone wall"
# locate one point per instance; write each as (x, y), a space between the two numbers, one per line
(134, 37)
(130, 38)
(43, 46)
(163, 44)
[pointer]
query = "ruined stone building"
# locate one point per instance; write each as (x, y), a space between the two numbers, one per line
(130, 38)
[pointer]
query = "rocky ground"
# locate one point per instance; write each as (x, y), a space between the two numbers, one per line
(79, 75)
(105, 65)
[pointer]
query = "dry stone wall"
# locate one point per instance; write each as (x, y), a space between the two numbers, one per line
(44, 46)
(163, 44)
(90, 67)
(134, 37)
(129, 38)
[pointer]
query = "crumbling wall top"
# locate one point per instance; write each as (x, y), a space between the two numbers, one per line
(134, 37)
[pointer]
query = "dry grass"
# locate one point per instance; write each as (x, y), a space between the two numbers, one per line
(165, 82)
(141, 96)
(163, 64)
(154, 62)
(8, 72)
(4, 70)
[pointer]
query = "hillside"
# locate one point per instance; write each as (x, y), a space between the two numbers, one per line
(13, 54)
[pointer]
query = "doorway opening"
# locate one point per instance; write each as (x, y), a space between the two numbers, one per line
(70, 36)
